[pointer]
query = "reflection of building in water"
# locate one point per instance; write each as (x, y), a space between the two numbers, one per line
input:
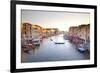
(82, 31)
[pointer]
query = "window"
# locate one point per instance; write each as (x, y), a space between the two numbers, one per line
(25, 32)
(25, 27)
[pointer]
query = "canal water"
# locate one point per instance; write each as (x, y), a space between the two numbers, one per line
(48, 50)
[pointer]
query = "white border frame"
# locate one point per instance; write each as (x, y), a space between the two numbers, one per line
(20, 65)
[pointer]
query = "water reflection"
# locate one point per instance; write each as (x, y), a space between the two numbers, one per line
(49, 51)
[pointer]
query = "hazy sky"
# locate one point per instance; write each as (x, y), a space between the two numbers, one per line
(50, 19)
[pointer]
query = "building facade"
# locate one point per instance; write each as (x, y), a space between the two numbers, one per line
(26, 31)
(82, 31)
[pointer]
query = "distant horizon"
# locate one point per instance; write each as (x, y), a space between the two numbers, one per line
(61, 20)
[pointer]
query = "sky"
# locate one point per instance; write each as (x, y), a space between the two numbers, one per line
(52, 19)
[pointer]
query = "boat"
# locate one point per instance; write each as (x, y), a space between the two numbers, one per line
(59, 43)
